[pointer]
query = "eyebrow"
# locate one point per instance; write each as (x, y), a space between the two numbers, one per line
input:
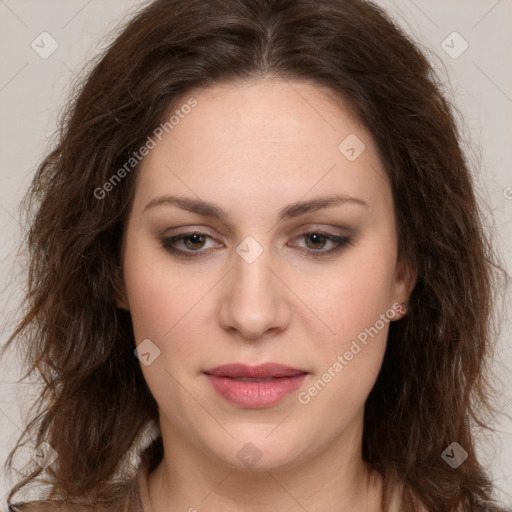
(290, 211)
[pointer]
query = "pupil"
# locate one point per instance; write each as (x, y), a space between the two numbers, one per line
(317, 238)
(195, 238)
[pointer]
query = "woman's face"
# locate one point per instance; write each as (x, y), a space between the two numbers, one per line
(262, 281)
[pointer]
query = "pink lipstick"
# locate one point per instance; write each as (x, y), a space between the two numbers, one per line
(255, 387)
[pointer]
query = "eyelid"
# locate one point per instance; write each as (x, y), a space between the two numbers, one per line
(327, 230)
(340, 242)
(338, 231)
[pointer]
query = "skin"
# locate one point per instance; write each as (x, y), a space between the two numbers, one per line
(252, 148)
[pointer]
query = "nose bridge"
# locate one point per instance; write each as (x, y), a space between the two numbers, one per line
(254, 275)
(253, 302)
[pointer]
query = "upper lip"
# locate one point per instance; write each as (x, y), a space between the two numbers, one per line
(262, 371)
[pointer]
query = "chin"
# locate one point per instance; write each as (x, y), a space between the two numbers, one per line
(260, 451)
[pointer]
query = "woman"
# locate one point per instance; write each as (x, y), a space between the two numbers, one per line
(258, 235)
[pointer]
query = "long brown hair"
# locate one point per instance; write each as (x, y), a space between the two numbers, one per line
(432, 388)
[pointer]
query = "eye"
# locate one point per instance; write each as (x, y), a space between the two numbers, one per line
(192, 244)
(316, 241)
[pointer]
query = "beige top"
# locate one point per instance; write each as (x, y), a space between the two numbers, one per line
(137, 500)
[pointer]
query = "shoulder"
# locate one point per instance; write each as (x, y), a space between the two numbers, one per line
(40, 506)
(494, 507)
(51, 506)
(131, 502)
(134, 500)
(488, 507)
(479, 507)
(65, 506)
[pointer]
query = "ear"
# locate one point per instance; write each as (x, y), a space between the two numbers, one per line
(119, 289)
(403, 284)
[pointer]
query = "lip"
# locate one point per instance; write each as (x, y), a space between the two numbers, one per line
(261, 371)
(281, 380)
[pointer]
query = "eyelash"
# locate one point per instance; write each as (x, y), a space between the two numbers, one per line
(341, 243)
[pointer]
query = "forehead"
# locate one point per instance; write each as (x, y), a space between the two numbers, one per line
(254, 138)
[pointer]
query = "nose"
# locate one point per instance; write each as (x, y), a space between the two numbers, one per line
(254, 301)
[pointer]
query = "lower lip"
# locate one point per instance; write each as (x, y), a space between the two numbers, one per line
(254, 394)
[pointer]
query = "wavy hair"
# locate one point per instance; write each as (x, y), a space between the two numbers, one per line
(433, 387)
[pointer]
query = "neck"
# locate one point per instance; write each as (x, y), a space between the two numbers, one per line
(335, 478)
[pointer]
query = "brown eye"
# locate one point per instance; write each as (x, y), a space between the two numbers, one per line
(195, 240)
(192, 243)
(316, 240)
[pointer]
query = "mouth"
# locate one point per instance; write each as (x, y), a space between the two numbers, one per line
(260, 372)
(255, 386)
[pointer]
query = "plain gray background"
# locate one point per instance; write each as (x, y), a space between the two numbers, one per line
(34, 87)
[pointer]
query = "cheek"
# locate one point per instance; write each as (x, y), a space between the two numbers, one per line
(354, 298)
(348, 360)
(151, 304)
(166, 304)
(162, 310)
(356, 306)
(155, 295)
